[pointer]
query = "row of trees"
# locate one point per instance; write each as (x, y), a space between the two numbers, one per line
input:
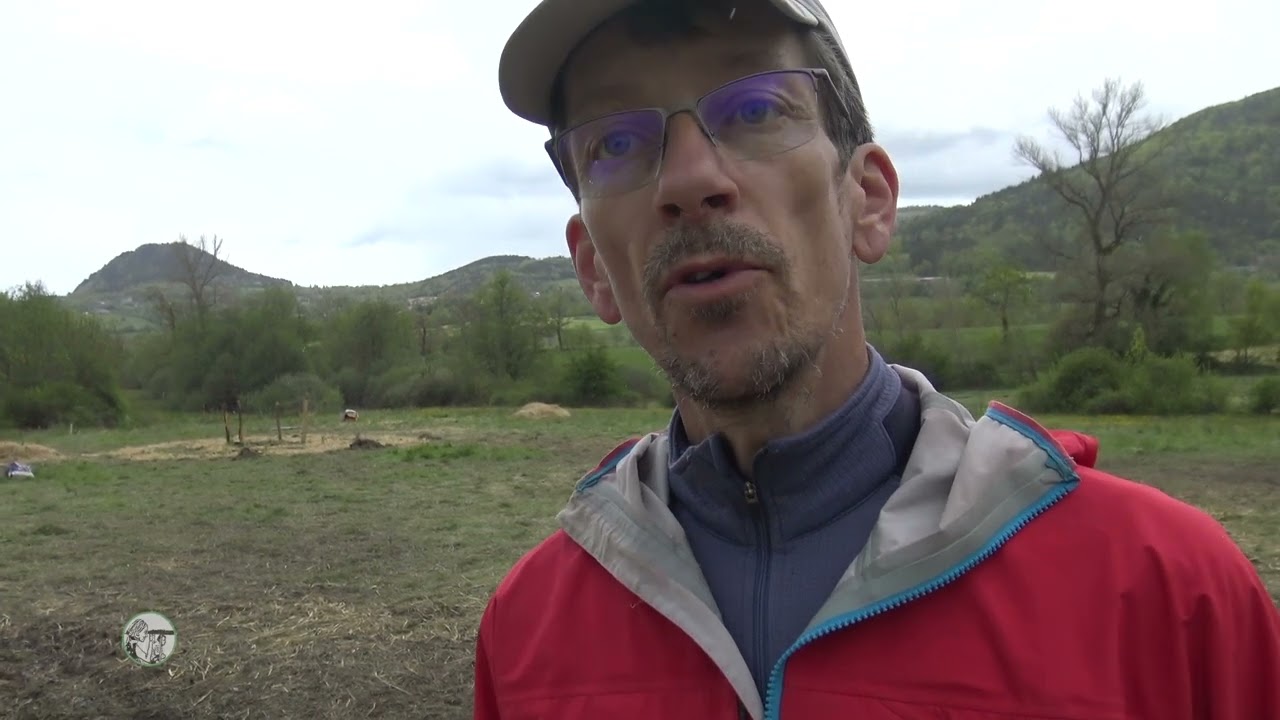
(993, 326)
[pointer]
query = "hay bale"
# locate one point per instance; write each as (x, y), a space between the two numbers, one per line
(25, 453)
(536, 411)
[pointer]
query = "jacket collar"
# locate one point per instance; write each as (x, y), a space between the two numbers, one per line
(966, 488)
(801, 482)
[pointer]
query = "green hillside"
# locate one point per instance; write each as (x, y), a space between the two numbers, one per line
(1220, 174)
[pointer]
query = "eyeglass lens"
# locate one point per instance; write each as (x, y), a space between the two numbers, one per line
(750, 118)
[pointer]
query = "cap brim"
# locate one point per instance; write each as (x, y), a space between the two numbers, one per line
(542, 42)
(539, 47)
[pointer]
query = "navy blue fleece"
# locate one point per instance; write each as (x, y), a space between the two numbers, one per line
(773, 563)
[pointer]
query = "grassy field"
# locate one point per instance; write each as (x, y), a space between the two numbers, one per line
(323, 581)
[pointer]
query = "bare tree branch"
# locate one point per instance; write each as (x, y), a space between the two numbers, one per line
(200, 268)
(1110, 184)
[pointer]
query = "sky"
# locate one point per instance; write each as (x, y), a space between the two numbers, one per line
(367, 144)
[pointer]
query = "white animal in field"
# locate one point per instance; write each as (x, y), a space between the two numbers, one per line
(350, 415)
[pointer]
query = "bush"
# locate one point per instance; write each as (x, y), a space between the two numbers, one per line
(60, 403)
(289, 391)
(436, 385)
(1090, 379)
(915, 352)
(969, 364)
(1096, 380)
(645, 385)
(1264, 398)
(592, 377)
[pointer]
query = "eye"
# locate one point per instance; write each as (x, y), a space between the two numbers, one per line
(754, 111)
(615, 144)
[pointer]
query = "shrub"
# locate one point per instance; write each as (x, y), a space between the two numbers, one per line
(289, 391)
(1081, 378)
(59, 403)
(1096, 380)
(436, 385)
(1264, 398)
(592, 377)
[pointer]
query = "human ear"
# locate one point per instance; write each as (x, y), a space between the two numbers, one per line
(876, 179)
(591, 271)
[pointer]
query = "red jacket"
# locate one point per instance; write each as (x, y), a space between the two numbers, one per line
(1005, 579)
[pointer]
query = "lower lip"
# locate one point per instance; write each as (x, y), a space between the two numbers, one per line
(732, 283)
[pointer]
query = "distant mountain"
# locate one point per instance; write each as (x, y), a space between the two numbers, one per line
(535, 275)
(162, 264)
(909, 213)
(1221, 176)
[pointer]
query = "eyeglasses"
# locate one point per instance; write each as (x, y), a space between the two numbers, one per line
(749, 118)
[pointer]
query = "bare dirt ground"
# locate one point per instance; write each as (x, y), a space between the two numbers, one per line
(213, 448)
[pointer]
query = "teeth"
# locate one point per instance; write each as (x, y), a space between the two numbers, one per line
(704, 275)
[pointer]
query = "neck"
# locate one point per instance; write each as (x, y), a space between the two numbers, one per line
(812, 395)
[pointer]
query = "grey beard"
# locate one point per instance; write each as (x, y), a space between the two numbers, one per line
(775, 366)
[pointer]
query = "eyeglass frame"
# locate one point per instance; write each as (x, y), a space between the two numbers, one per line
(692, 108)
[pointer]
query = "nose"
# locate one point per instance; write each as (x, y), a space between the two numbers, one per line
(693, 185)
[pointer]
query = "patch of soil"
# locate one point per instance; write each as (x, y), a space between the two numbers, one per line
(26, 453)
(217, 447)
(247, 453)
(365, 444)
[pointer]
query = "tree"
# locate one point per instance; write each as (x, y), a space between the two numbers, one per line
(200, 266)
(1110, 183)
(365, 341)
(891, 282)
(558, 306)
(504, 328)
(1003, 288)
(56, 365)
(1165, 284)
(1257, 325)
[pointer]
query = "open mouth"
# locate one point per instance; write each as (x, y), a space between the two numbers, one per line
(712, 279)
(705, 276)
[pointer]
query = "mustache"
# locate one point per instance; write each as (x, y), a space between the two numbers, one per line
(735, 241)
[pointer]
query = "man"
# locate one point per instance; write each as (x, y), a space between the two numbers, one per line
(817, 534)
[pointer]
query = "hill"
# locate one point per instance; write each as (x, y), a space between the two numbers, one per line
(162, 264)
(1221, 176)
(536, 275)
(117, 292)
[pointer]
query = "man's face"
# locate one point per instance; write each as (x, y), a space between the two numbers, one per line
(732, 273)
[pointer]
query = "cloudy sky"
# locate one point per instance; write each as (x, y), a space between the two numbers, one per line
(369, 145)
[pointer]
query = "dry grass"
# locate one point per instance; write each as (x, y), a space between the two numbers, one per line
(319, 581)
(541, 410)
(26, 453)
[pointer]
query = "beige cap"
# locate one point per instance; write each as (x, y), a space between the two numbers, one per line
(543, 41)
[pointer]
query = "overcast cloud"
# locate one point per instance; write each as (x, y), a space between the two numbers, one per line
(369, 145)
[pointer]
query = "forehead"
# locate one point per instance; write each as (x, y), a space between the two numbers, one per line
(629, 63)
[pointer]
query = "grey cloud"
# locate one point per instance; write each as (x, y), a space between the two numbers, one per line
(374, 236)
(911, 144)
(958, 174)
(501, 178)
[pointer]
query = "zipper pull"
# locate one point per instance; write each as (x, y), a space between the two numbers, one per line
(750, 492)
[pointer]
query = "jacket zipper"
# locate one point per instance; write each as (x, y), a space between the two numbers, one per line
(763, 551)
(772, 705)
